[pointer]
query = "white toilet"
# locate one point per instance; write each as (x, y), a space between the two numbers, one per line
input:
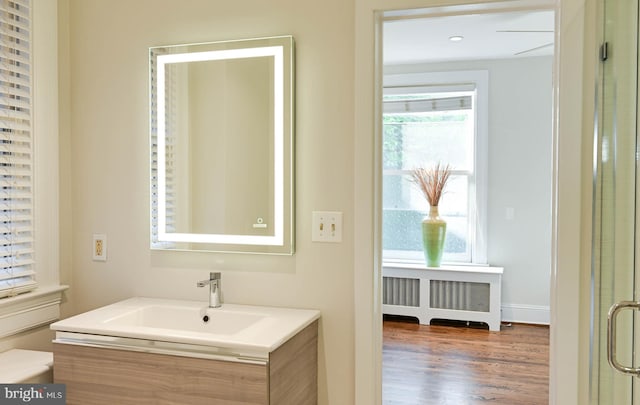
(26, 366)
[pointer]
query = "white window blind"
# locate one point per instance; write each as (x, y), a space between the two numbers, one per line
(170, 143)
(153, 129)
(427, 105)
(17, 274)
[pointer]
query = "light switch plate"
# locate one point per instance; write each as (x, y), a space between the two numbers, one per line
(326, 226)
(510, 213)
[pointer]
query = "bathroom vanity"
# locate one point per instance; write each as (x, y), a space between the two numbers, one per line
(154, 351)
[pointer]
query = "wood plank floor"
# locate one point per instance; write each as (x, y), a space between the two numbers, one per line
(460, 365)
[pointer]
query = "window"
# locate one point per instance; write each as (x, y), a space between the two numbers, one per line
(431, 118)
(29, 160)
(17, 274)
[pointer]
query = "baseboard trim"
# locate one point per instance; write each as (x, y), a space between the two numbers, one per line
(534, 314)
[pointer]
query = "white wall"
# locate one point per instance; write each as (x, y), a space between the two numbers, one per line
(520, 145)
(519, 177)
(109, 164)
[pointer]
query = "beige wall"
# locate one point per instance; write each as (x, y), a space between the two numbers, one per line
(109, 165)
(104, 185)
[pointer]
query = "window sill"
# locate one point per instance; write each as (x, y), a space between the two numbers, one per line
(30, 310)
(462, 267)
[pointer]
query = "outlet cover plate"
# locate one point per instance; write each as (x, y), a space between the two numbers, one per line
(99, 247)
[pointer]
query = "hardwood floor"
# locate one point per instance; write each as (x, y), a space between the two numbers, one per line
(460, 365)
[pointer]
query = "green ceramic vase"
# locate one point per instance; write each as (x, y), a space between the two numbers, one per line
(434, 230)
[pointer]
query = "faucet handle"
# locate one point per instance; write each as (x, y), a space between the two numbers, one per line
(215, 275)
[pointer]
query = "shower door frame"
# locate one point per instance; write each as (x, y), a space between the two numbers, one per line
(615, 206)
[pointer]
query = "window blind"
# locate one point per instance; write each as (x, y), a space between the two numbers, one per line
(153, 129)
(170, 142)
(427, 105)
(17, 272)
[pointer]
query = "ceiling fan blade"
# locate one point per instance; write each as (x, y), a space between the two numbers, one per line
(534, 31)
(534, 49)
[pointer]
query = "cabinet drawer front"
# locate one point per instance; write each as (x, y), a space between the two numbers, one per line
(106, 376)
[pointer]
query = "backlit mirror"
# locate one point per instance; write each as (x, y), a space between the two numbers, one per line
(221, 123)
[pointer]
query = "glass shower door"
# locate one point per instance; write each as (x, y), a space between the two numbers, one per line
(615, 207)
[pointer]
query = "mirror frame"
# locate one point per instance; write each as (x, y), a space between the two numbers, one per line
(281, 49)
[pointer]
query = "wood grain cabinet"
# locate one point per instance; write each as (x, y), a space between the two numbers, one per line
(96, 376)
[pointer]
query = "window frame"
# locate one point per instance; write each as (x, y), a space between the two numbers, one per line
(41, 306)
(436, 82)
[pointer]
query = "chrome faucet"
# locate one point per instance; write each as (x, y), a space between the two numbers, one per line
(215, 286)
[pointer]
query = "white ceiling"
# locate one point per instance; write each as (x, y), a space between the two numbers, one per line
(486, 36)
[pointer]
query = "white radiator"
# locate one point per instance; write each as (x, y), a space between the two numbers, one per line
(459, 295)
(443, 294)
(401, 291)
(452, 292)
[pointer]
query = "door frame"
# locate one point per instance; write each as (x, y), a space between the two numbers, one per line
(574, 76)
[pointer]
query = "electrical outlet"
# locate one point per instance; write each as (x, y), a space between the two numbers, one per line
(327, 226)
(100, 247)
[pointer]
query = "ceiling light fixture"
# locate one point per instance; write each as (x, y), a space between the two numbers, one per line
(456, 38)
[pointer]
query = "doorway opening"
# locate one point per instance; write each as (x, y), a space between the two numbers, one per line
(474, 91)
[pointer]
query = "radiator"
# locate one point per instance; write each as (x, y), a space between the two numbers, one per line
(464, 293)
(401, 291)
(454, 295)
(459, 295)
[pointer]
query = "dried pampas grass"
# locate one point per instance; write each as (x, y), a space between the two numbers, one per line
(432, 181)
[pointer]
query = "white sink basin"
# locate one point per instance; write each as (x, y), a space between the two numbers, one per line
(219, 321)
(243, 329)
